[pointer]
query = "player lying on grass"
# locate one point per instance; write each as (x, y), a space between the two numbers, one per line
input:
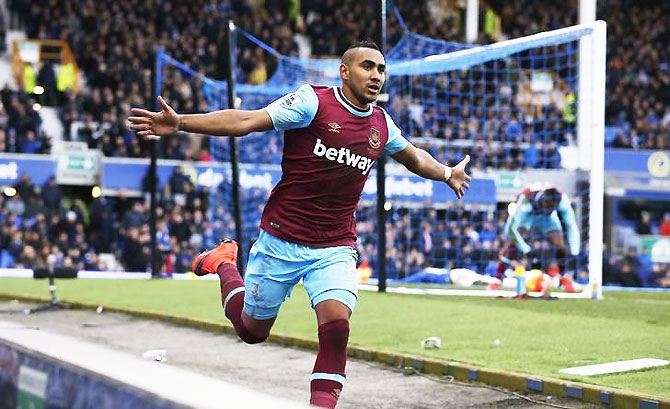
(332, 138)
(536, 213)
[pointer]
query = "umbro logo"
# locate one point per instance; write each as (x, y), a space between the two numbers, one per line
(334, 127)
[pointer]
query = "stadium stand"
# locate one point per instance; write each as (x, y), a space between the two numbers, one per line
(20, 130)
(115, 47)
(637, 104)
(638, 71)
(39, 221)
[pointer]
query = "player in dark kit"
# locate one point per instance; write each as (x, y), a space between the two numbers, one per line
(332, 138)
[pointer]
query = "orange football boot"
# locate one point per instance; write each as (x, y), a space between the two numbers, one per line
(209, 261)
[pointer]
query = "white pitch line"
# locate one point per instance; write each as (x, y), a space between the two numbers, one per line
(476, 293)
(615, 367)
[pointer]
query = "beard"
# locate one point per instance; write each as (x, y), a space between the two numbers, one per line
(364, 99)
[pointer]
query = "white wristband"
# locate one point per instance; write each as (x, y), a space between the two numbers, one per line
(447, 173)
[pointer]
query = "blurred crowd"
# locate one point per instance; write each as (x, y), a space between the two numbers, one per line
(638, 73)
(20, 124)
(106, 233)
(112, 233)
(39, 221)
(638, 61)
(634, 269)
(115, 46)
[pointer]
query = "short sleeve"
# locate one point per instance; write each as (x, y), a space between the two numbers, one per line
(396, 142)
(295, 110)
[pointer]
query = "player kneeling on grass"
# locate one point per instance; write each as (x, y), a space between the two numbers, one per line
(332, 138)
(537, 211)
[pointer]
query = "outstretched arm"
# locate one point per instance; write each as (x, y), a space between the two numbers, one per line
(421, 163)
(522, 211)
(570, 221)
(228, 122)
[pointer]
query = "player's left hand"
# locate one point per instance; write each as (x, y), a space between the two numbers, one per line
(458, 181)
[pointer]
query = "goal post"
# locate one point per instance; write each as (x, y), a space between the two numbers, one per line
(466, 89)
(591, 134)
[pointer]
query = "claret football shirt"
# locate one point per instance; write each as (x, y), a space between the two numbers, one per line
(330, 146)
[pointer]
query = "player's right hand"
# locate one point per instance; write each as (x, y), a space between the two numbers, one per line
(163, 123)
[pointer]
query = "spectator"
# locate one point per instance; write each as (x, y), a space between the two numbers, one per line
(643, 225)
(627, 277)
(135, 252)
(33, 207)
(46, 77)
(662, 274)
(178, 226)
(31, 144)
(664, 228)
(24, 187)
(134, 217)
(178, 181)
(28, 258)
(532, 155)
(15, 205)
(488, 233)
(51, 195)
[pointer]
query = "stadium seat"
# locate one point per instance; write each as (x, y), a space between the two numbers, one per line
(6, 259)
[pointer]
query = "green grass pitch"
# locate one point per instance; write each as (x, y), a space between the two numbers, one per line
(534, 337)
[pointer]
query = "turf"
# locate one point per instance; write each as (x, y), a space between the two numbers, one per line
(535, 337)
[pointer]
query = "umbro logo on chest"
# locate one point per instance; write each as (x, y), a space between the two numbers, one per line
(334, 127)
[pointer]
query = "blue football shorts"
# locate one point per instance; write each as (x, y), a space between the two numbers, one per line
(540, 225)
(275, 266)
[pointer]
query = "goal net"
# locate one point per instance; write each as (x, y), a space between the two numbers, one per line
(527, 111)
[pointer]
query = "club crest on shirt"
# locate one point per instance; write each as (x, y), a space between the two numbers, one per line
(373, 140)
(291, 99)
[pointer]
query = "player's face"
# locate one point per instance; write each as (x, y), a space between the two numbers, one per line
(547, 206)
(363, 78)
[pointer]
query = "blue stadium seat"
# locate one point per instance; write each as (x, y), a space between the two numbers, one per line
(645, 272)
(6, 259)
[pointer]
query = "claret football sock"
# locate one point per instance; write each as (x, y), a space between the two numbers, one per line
(232, 288)
(222, 260)
(232, 299)
(328, 375)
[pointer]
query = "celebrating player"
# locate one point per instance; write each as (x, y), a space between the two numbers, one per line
(536, 212)
(332, 138)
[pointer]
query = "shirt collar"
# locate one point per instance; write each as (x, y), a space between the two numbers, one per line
(342, 99)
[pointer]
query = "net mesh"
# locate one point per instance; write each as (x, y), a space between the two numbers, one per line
(511, 107)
